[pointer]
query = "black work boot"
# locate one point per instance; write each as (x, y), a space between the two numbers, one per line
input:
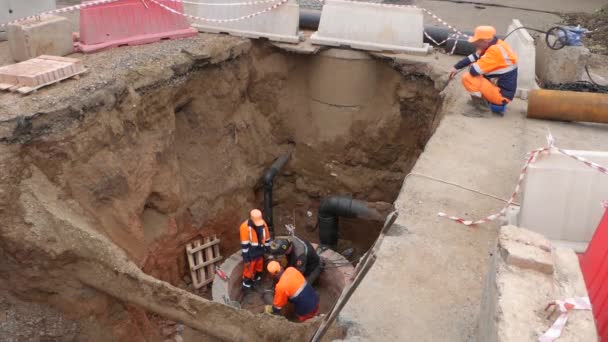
(258, 276)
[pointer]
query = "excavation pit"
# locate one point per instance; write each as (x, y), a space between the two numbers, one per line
(162, 144)
(334, 277)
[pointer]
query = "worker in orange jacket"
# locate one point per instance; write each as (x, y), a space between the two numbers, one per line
(492, 76)
(255, 241)
(291, 286)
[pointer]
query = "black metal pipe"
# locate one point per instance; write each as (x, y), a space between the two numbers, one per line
(268, 179)
(440, 34)
(332, 208)
(309, 18)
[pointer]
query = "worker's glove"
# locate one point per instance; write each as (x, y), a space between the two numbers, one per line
(268, 309)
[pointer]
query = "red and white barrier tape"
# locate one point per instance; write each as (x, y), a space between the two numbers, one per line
(62, 10)
(605, 204)
(531, 159)
(225, 20)
(555, 331)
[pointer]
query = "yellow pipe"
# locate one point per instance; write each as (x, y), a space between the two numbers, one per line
(568, 106)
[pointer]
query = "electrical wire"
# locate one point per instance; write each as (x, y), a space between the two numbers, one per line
(527, 28)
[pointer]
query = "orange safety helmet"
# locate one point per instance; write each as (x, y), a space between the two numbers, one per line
(273, 268)
(482, 33)
(256, 216)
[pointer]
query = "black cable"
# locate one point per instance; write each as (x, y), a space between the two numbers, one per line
(523, 27)
(591, 79)
(579, 86)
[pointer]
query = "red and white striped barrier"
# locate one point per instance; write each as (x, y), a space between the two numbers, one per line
(531, 159)
(275, 4)
(564, 306)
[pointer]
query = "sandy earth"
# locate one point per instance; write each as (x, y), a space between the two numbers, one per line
(430, 269)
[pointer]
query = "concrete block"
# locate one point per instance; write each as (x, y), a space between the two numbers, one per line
(513, 301)
(14, 9)
(523, 45)
(525, 249)
(51, 35)
(561, 198)
(561, 66)
(280, 24)
(369, 26)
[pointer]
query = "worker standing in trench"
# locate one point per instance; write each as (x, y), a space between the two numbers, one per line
(255, 242)
(492, 76)
(291, 286)
(300, 255)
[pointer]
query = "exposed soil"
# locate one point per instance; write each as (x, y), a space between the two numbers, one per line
(162, 144)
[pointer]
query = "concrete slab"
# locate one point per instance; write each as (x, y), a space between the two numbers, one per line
(373, 27)
(523, 45)
(304, 47)
(430, 277)
(49, 35)
(280, 24)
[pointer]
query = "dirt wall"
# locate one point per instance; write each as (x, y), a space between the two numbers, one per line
(173, 149)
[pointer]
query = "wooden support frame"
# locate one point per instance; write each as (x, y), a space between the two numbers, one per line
(202, 260)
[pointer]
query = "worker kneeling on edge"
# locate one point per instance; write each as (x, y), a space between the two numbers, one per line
(255, 242)
(299, 254)
(492, 76)
(291, 286)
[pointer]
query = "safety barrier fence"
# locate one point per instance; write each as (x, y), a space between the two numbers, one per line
(274, 4)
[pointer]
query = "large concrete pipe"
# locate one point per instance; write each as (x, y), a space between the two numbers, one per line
(334, 207)
(340, 82)
(568, 106)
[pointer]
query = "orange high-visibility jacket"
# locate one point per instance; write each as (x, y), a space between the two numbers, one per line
(253, 241)
(292, 287)
(498, 62)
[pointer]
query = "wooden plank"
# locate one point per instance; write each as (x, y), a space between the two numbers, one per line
(203, 246)
(208, 281)
(209, 256)
(206, 263)
(5, 86)
(216, 247)
(200, 263)
(195, 281)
